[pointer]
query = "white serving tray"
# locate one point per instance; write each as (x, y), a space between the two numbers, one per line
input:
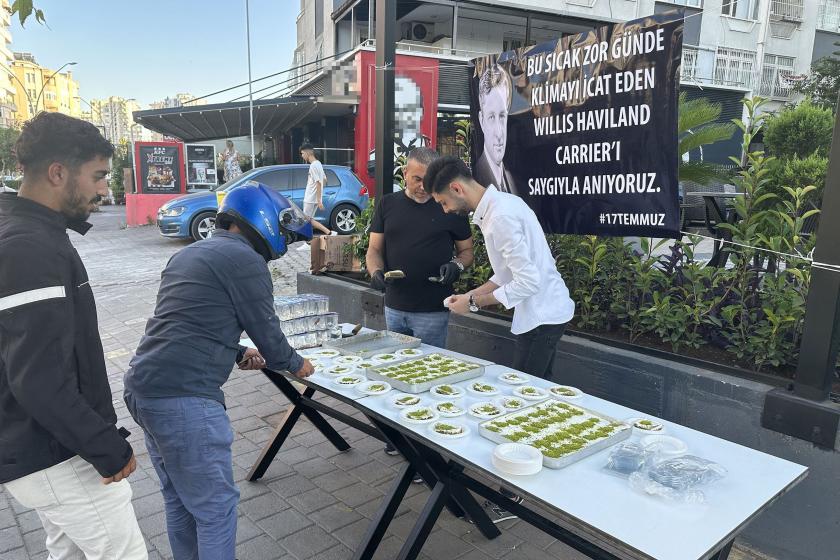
(550, 462)
(374, 375)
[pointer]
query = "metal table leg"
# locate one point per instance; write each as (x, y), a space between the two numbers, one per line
(298, 407)
(385, 515)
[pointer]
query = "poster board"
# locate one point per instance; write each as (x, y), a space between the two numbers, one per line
(201, 165)
(584, 128)
(159, 167)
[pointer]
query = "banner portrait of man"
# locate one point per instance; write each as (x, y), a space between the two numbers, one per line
(494, 99)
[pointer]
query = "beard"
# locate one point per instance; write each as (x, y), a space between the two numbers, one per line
(75, 206)
(461, 209)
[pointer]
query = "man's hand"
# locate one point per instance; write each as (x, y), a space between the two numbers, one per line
(305, 370)
(126, 470)
(320, 206)
(252, 359)
(377, 280)
(459, 304)
(449, 273)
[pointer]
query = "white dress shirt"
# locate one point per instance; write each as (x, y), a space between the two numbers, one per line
(523, 267)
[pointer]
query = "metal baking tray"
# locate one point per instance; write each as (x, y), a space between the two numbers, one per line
(561, 462)
(372, 374)
(369, 344)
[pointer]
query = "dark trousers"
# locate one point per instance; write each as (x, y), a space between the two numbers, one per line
(535, 350)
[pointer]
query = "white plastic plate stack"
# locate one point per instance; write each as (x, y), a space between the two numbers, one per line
(517, 459)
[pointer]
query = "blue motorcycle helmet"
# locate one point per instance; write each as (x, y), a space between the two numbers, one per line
(269, 220)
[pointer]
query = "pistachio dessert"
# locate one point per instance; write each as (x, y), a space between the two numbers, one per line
(424, 369)
(450, 409)
(554, 427)
(420, 414)
(485, 410)
(449, 429)
(483, 388)
(529, 392)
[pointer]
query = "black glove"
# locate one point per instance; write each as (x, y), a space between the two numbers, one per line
(449, 273)
(377, 281)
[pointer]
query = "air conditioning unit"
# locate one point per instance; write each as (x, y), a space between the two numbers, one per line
(417, 31)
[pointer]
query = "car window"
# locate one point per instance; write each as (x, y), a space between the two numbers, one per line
(237, 181)
(332, 178)
(277, 180)
(299, 177)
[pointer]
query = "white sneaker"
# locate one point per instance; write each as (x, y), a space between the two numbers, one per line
(333, 233)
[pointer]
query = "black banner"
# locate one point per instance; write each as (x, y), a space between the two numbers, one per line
(584, 129)
(201, 165)
(159, 168)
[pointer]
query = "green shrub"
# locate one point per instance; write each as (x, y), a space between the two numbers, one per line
(799, 131)
(798, 173)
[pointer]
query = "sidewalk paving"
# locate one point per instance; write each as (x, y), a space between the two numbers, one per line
(313, 503)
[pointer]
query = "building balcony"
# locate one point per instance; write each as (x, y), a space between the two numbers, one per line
(787, 10)
(828, 16)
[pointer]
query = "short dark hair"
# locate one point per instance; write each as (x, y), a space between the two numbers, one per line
(307, 146)
(423, 155)
(444, 170)
(48, 138)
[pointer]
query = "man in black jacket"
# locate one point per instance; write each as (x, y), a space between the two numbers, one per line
(60, 450)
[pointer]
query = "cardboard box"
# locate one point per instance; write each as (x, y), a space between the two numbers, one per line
(334, 253)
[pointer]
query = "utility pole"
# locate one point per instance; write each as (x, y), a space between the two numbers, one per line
(805, 411)
(386, 37)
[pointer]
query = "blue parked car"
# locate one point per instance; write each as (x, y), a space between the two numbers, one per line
(194, 215)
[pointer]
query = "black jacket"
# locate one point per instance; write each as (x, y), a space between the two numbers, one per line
(55, 401)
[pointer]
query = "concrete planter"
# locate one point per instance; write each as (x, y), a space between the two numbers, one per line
(797, 527)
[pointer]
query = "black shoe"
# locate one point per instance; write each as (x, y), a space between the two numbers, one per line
(391, 450)
(417, 479)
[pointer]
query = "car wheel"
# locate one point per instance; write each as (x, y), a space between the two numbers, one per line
(344, 219)
(202, 225)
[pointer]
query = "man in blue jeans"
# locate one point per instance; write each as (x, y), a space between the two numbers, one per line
(209, 293)
(410, 232)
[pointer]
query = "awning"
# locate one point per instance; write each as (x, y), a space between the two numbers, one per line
(229, 120)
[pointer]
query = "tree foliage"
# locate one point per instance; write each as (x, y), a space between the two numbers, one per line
(8, 137)
(799, 131)
(26, 8)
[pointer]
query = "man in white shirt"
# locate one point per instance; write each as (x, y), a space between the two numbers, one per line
(313, 198)
(525, 276)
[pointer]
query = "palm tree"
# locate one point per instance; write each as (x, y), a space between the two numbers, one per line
(698, 127)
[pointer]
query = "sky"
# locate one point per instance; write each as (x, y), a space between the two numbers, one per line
(153, 49)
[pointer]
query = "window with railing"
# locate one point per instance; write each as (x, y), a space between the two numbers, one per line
(688, 68)
(828, 15)
(790, 10)
(743, 9)
(774, 74)
(734, 67)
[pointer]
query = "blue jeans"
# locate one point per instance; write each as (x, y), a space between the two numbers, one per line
(189, 441)
(429, 327)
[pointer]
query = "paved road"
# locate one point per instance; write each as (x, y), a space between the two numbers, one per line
(313, 503)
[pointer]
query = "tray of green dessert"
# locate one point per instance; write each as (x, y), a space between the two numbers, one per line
(418, 375)
(563, 432)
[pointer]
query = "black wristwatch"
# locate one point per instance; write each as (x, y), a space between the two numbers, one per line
(473, 305)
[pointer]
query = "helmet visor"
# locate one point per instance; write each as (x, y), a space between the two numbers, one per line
(292, 218)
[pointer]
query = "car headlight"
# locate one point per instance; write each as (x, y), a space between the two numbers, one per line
(172, 212)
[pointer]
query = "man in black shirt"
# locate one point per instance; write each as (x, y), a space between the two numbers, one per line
(411, 233)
